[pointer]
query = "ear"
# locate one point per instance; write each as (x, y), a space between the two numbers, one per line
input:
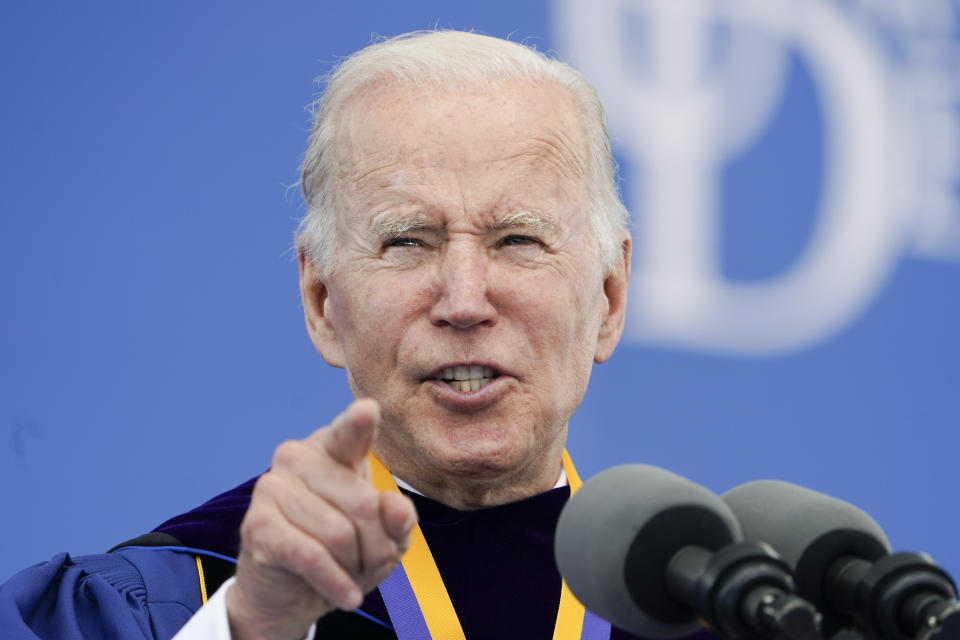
(615, 287)
(316, 312)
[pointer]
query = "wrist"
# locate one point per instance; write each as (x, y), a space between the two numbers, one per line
(250, 622)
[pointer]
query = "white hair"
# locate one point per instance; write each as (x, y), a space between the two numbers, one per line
(434, 58)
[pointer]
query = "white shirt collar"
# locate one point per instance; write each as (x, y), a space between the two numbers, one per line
(561, 482)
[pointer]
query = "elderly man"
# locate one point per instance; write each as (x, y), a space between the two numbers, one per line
(464, 259)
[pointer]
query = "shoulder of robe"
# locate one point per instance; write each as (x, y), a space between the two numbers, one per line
(130, 593)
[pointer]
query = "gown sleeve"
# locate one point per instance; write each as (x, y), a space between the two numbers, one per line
(133, 593)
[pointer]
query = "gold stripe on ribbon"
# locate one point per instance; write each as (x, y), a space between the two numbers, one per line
(570, 614)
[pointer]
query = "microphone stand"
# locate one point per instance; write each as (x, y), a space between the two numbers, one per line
(902, 596)
(743, 591)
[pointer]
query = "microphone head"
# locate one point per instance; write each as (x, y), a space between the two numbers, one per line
(808, 529)
(617, 534)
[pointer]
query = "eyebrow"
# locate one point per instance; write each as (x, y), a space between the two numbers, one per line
(538, 220)
(391, 224)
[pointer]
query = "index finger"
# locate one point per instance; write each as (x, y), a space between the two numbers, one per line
(348, 438)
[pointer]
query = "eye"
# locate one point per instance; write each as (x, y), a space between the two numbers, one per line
(402, 241)
(519, 241)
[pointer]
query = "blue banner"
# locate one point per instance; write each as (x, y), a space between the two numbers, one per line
(792, 173)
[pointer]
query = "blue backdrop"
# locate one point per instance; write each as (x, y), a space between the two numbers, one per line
(793, 176)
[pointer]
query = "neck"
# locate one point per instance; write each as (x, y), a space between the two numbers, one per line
(478, 488)
(562, 481)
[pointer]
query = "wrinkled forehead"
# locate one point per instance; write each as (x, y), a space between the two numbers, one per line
(388, 132)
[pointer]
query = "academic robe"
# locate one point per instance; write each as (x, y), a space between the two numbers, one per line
(497, 565)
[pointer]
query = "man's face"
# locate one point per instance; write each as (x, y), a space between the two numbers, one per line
(464, 249)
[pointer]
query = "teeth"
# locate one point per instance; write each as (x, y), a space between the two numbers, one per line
(469, 385)
(464, 372)
(467, 377)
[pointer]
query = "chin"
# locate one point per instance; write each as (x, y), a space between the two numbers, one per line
(478, 454)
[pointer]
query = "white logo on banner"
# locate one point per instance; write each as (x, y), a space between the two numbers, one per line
(892, 159)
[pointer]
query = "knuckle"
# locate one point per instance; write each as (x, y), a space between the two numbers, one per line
(310, 561)
(385, 553)
(287, 454)
(266, 486)
(254, 527)
(261, 558)
(296, 556)
(318, 569)
(341, 535)
(256, 545)
(268, 493)
(367, 506)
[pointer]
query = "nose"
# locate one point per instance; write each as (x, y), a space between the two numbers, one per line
(462, 294)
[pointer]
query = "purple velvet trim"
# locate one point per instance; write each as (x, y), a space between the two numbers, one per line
(403, 608)
(214, 525)
(496, 563)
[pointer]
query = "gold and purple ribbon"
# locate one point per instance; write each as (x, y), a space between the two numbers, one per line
(417, 600)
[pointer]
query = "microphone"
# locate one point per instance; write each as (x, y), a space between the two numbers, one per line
(655, 554)
(842, 563)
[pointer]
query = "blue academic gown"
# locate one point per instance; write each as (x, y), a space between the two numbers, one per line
(496, 563)
(131, 593)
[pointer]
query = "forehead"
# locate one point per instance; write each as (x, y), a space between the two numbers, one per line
(517, 138)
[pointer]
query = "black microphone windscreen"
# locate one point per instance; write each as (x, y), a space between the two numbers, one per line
(617, 534)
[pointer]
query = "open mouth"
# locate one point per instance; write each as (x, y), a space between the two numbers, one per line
(467, 377)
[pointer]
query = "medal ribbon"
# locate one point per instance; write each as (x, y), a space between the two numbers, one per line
(417, 600)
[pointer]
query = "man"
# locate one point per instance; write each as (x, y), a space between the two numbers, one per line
(464, 259)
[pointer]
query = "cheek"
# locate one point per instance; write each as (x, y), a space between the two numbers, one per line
(565, 309)
(373, 315)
